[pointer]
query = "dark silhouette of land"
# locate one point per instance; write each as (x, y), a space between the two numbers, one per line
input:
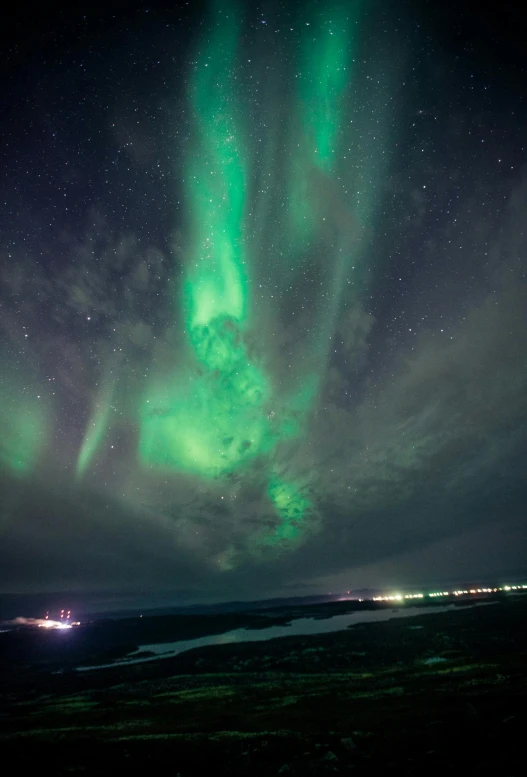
(422, 695)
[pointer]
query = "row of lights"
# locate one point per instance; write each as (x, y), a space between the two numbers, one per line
(435, 594)
(397, 597)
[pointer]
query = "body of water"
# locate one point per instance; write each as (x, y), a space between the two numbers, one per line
(297, 628)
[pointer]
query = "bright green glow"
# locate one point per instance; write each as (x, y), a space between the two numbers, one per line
(23, 428)
(226, 410)
(215, 419)
(297, 517)
(327, 51)
(291, 506)
(97, 426)
(330, 206)
(212, 420)
(216, 184)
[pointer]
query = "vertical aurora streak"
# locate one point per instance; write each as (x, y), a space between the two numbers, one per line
(326, 52)
(324, 78)
(213, 418)
(223, 410)
(216, 177)
(98, 424)
(332, 202)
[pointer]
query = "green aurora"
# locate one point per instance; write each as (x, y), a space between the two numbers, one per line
(24, 425)
(98, 423)
(224, 410)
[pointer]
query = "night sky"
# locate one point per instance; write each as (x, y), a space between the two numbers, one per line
(263, 322)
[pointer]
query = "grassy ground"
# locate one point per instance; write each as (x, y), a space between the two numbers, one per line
(417, 696)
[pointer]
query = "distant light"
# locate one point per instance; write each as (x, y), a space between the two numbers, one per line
(49, 624)
(397, 597)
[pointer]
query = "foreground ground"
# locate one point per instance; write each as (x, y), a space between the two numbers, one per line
(416, 696)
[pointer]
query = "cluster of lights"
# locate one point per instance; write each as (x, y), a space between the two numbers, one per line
(434, 594)
(397, 597)
(49, 624)
(63, 623)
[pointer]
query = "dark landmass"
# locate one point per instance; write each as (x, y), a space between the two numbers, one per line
(109, 639)
(90, 606)
(424, 695)
(103, 641)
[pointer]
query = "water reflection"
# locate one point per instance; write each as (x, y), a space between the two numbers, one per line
(299, 627)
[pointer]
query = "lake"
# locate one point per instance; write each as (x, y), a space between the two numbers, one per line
(297, 628)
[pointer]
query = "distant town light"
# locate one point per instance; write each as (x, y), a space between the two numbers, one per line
(396, 597)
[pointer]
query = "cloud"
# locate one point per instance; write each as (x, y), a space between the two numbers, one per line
(438, 447)
(80, 539)
(429, 451)
(433, 451)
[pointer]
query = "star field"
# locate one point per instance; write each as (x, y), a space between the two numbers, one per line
(263, 312)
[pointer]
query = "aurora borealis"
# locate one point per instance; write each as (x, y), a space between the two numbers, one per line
(218, 418)
(263, 312)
